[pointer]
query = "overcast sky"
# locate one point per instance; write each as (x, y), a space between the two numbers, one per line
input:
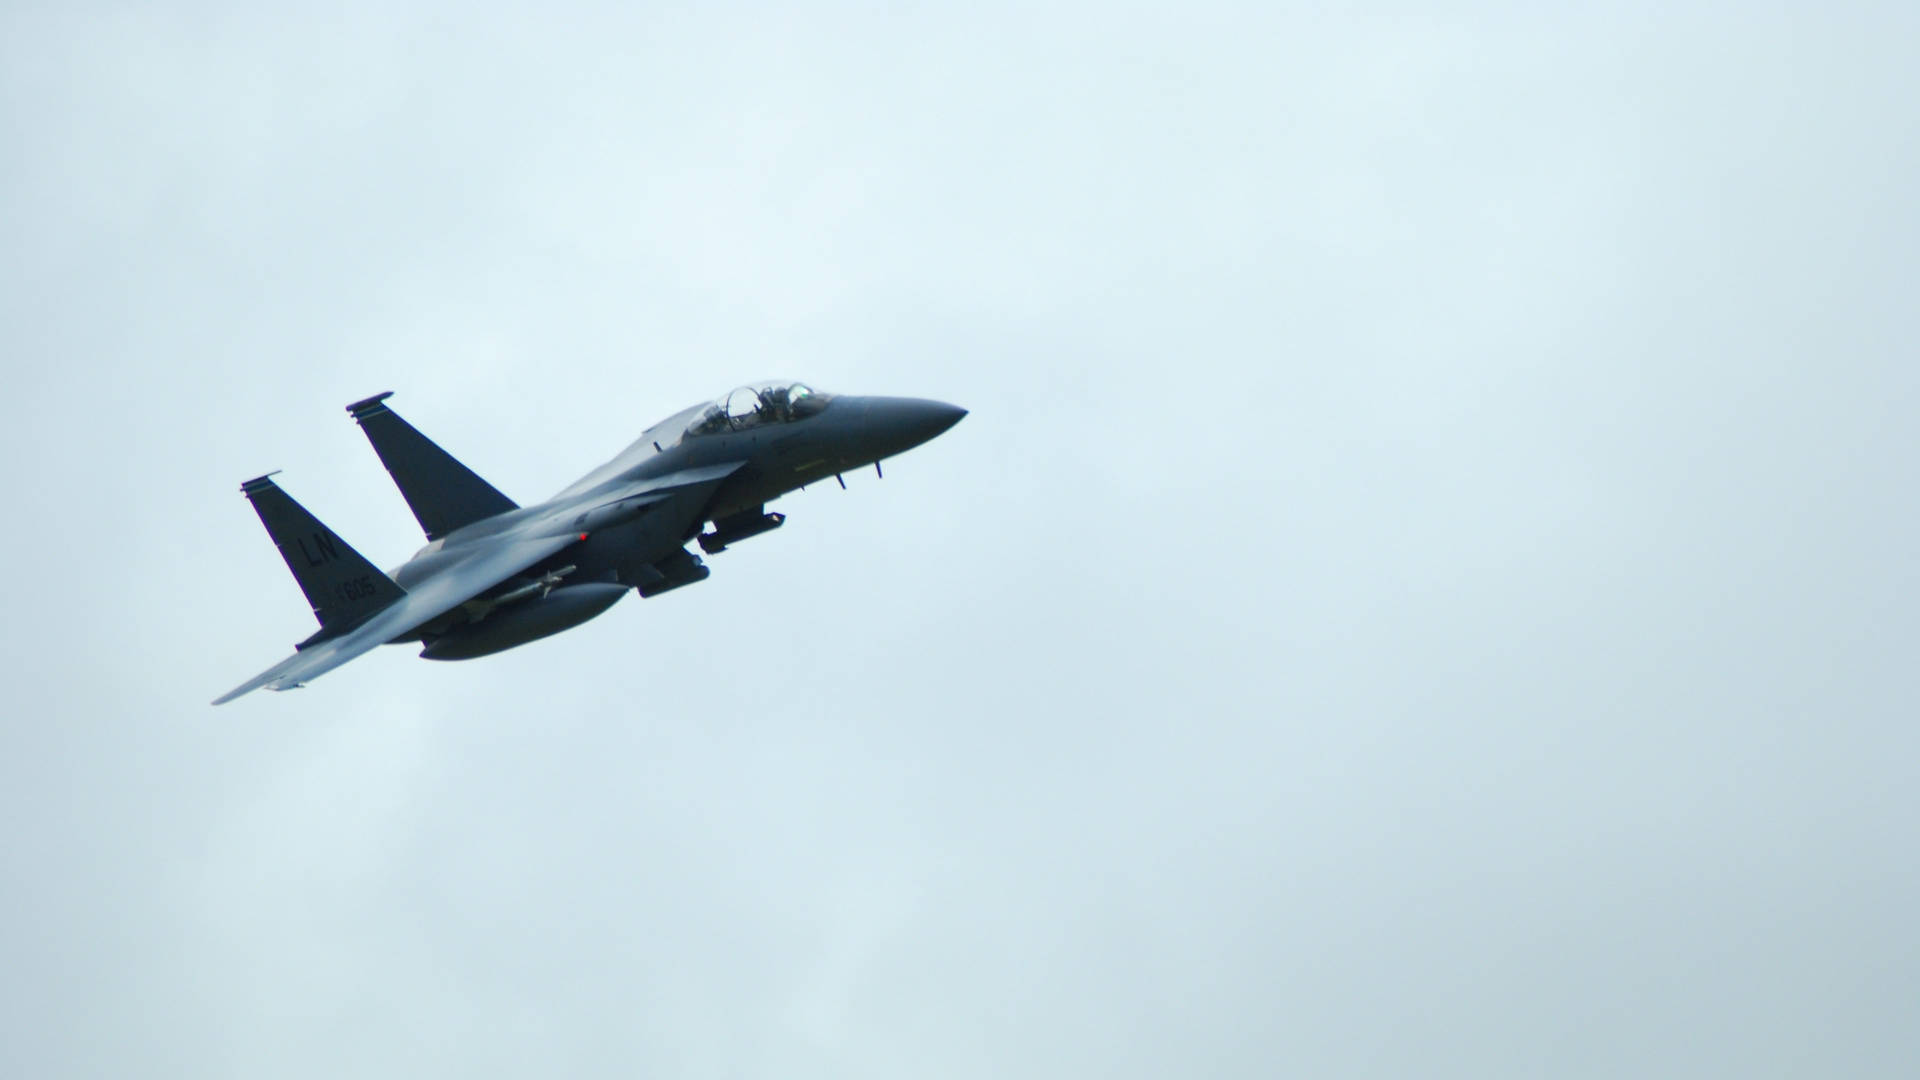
(1427, 588)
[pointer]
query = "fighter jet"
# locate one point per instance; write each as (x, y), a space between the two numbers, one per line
(494, 575)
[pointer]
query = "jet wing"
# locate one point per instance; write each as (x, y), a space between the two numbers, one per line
(488, 565)
(490, 562)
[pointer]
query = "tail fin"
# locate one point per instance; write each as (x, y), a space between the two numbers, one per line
(443, 493)
(340, 583)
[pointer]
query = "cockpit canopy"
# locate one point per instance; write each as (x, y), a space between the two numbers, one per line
(775, 402)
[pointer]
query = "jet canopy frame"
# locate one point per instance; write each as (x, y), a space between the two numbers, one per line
(777, 401)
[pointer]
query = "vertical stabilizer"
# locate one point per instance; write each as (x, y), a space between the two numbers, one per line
(341, 585)
(443, 493)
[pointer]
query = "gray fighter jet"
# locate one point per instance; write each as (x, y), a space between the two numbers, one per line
(494, 575)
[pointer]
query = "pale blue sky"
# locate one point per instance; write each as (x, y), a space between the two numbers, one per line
(1426, 588)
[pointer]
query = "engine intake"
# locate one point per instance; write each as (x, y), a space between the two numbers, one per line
(680, 568)
(729, 530)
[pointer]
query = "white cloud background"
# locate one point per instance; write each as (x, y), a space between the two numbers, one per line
(1427, 586)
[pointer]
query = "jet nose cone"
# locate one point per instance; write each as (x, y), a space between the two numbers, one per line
(935, 417)
(897, 424)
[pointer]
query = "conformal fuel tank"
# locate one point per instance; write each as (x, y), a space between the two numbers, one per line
(527, 620)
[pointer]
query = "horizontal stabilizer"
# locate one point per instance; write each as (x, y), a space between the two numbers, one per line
(477, 568)
(443, 494)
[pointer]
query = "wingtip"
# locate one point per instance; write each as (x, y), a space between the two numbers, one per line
(247, 687)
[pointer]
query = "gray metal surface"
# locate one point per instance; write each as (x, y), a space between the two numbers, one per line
(495, 575)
